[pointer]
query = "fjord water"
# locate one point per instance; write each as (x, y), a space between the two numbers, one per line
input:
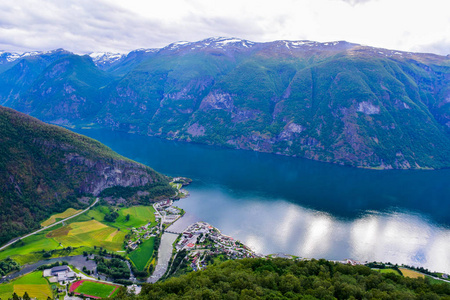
(310, 209)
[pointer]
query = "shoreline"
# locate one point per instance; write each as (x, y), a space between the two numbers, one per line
(189, 222)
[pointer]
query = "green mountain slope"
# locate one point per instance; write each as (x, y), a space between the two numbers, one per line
(18, 76)
(335, 102)
(45, 168)
(69, 88)
(288, 279)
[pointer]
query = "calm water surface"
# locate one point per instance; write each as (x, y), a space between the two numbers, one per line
(290, 205)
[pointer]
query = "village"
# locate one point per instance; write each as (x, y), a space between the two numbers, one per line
(165, 214)
(201, 241)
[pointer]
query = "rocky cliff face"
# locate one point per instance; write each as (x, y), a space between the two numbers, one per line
(104, 174)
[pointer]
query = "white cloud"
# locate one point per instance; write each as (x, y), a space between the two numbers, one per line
(98, 25)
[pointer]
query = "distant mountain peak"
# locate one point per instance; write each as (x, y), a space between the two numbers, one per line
(146, 50)
(176, 45)
(8, 57)
(225, 40)
(234, 41)
(210, 43)
(233, 44)
(106, 58)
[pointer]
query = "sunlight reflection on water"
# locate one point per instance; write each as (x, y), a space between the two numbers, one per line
(280, 226)
(281, 204)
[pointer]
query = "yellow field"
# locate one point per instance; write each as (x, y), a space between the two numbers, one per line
(69, 212)
(110, 238)
(39, 291)
(85, 227)
(90, 233)
(411, 274)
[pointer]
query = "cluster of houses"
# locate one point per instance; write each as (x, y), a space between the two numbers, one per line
(166, 213)
(59, 274)
(202, 239)
(141, 233)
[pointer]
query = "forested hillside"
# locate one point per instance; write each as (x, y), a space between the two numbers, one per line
(289, 279)
(45, 169)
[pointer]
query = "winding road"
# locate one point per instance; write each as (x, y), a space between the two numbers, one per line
(46, 227)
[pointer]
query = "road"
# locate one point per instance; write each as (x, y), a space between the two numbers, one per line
(160, 217)
(46, 227)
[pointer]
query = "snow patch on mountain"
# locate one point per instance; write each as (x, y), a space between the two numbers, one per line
(305, 44)
(210, 43)
(8, 57)
(106, 58)
(145, 50)
(176, 45)
(220, 42)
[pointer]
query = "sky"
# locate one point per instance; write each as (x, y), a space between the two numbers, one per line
(84, 26)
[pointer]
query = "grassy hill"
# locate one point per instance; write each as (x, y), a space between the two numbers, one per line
(45, 169)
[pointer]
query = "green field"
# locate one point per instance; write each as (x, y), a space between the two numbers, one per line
(34, 284)
(69, 212)
(28, 247)
(98, 213)
(143, 255)
(95, 289)
(436, 281)
(411, 273)
(83, 233)
(91, 233)
(139, 216)
(78, 234)
(31, 244)
(385, 271)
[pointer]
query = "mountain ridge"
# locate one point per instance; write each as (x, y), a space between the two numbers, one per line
(102, 57)
(335, 102)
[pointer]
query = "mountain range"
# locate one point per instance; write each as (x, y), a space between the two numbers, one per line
(335, 102)
(46, 169)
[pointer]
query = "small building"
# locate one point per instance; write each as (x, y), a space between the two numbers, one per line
(59, 274)
(47, 273)
(66, 276)
(59, 269)
(165, 203)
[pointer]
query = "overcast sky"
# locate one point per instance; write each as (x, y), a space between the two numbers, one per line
(121, 26)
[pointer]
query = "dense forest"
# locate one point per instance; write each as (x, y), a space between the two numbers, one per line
(7, 266)
(289, 279)
(115, 268)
